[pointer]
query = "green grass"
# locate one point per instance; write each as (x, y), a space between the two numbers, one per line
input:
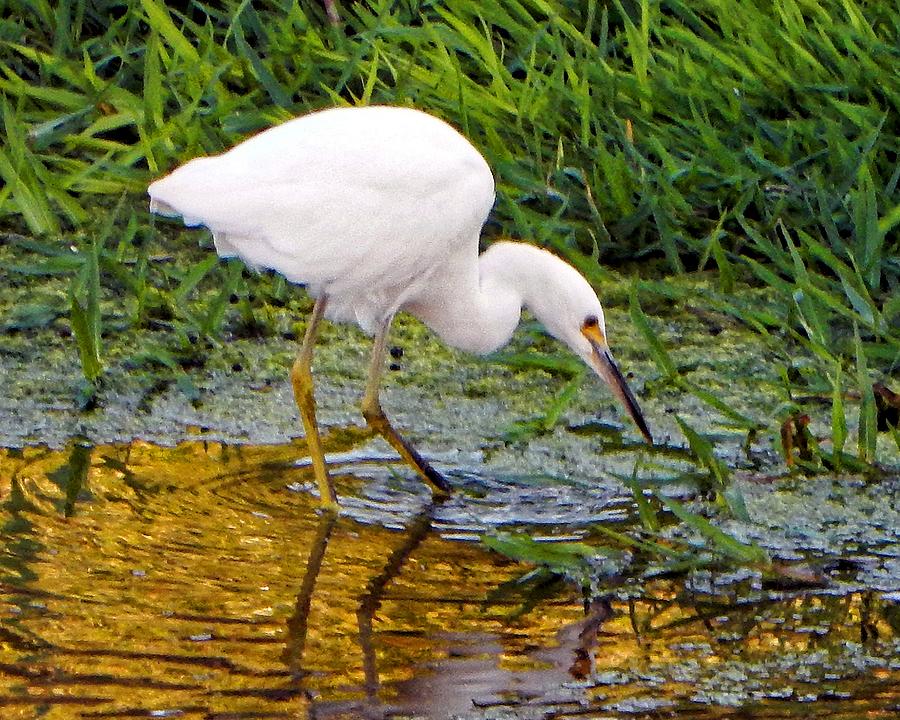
(758, 140)
(632, 554)
(646, 127)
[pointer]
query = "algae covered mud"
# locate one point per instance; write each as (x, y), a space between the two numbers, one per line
(199, 581)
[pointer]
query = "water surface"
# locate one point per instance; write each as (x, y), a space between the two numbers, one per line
(200, 581)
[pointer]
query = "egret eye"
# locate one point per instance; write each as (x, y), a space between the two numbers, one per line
(590, 328)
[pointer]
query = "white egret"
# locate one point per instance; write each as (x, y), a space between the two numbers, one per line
(377, 210)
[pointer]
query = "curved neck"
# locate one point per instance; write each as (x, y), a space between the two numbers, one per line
(476, 307)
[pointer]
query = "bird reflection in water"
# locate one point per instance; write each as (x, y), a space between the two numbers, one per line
(471, 674)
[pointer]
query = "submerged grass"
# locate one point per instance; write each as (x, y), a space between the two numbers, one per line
(634, 555)
(756, 140)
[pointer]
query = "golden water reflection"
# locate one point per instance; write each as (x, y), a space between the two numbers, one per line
(193, 582)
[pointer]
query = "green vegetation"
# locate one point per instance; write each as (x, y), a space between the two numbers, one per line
(629, 557)
(752, 139)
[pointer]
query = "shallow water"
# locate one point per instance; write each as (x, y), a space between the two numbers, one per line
(200, 581)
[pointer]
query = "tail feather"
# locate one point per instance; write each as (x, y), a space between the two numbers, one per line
(160, 208)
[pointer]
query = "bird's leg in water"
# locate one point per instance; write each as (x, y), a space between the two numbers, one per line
(374, 415)
(302, 380)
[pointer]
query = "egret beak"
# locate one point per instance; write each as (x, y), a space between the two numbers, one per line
(603, 364)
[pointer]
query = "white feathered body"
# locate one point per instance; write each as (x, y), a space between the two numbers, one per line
(363, 204)
(380, 209)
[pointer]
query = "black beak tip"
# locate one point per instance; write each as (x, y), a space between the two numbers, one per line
(609, 371)
(645, 431)
(641, 424)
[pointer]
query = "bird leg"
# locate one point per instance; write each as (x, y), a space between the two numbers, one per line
(302, 380)
(375, 417)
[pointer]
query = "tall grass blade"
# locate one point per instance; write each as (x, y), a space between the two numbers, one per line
(838, 416)
(868, 426)
(654, 345)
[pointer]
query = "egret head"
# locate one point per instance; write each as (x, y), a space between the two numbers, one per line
(568, 307)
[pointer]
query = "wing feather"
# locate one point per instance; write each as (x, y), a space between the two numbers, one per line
(342, 197)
